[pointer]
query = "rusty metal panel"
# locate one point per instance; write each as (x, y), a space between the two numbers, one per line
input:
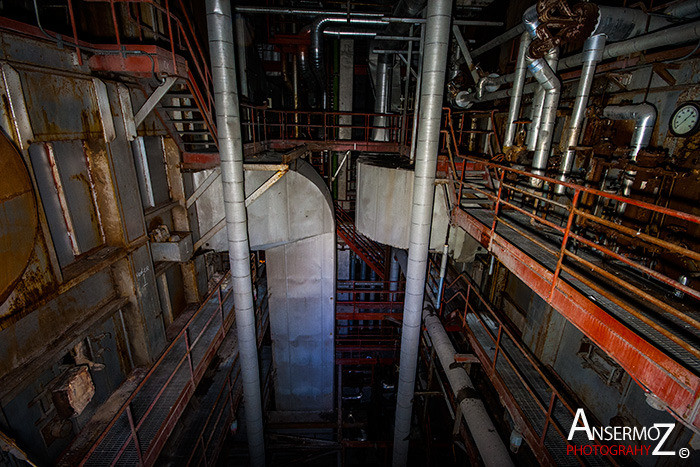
(18, 217)
(124, 172)
(72, 98)
(144, 279)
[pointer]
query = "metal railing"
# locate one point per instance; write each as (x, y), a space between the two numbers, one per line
(505, 365)
(579, 238)
(260, 124)
(139, 429)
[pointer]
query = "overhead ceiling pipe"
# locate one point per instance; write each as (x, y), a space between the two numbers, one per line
(617, 24)
(316, 47)
(437, 35)
(491, 447)
(687, 10)
(544, 75)
(223, 65)
(644, 116)
(592, 53)
(518, 84)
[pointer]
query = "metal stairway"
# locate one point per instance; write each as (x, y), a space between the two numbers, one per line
(368, 250)
(191, 127)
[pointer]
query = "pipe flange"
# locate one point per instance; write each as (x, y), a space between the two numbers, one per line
(561, 24)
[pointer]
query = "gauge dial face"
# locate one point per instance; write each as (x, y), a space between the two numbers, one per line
(685, 120)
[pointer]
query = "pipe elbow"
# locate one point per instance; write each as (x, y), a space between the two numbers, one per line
(531, 21)
(544, 75)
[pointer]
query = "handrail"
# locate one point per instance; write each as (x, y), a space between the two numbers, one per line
(454, 291)
(215, 295)
(572, 218)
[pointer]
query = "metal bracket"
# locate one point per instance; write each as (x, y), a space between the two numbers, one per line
(465, 53)
(153, 100)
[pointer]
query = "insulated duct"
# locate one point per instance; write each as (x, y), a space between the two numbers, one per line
(592, 54)
(644, 116)
(616, 23)
(316, 47)
(223, 65)
(544, 75)
(518, 84)
(491, 447)
(437, 35)
(382, 96)
(686, 10)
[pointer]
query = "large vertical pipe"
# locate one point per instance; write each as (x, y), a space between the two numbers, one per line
(544, 75)
(491, 447)
(416, 102)
(537, 108)
(240, 47)
(437, 34)
(394, 274)
(592, 54)
(382, 96)
(223, 65)
(518, 84)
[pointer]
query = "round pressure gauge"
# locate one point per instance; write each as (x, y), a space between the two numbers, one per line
(685, 120)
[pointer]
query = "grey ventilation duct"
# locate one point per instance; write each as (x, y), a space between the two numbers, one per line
(223, 66)
(548, 80)
(437, 35)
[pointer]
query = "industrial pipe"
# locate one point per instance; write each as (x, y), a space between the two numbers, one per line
(544, 75)
(675, 35)
(518, 84)
(443, 272)
(316, 48)
(223, 66)
(687, 10)
(394, 274)
(592, 53)
(498, 40)
(437, 36)
(491, 447)
(382, 97)
(644, 116)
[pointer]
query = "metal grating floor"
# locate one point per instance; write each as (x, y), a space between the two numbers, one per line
(173, 378)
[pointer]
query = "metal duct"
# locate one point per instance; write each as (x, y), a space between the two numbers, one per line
(394, 275)
(382, 96)
(437, 35)
(611, 22)
(491, 447)
(316, 48)
(240, 46)
(537, 106)
(688, 10)
(592, 53)
(223, 65)
(544, 75)
(518, 84)
(644, 116)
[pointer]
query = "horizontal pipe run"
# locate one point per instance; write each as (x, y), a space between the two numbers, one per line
(675, 35)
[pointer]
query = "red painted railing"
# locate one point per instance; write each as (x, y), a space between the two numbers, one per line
(569, 242)
(260, 124)
(470, 308)
(371, 252)
(140, 428)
